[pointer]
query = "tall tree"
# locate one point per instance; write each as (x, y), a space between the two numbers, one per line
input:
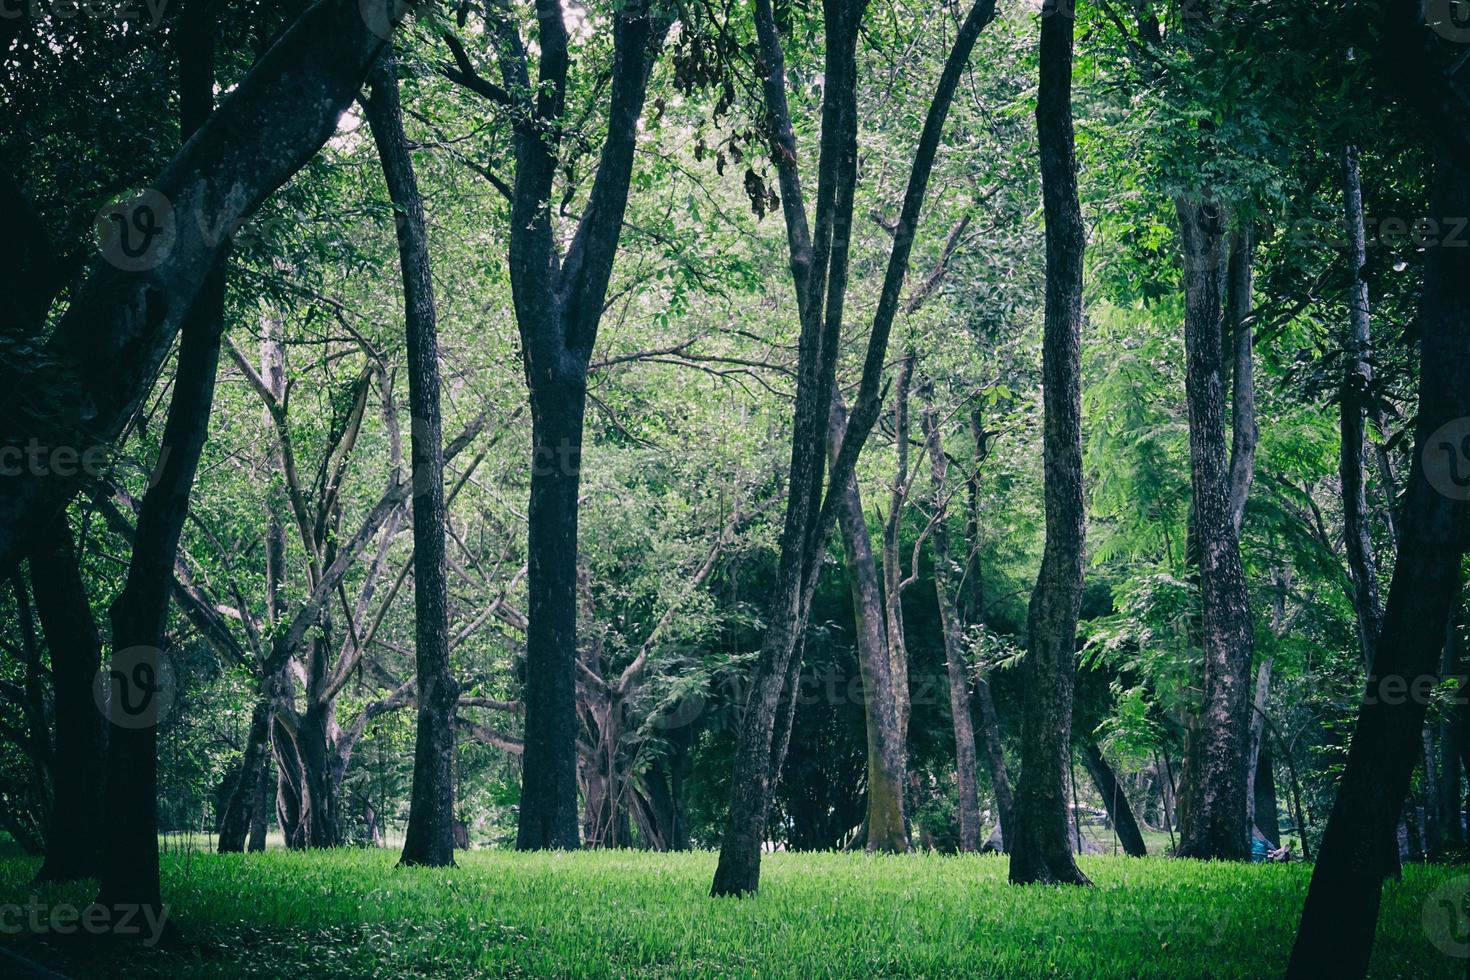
(819, 264)
(430, 836)
(1040, 840)
(558, 304)
(1339, 921)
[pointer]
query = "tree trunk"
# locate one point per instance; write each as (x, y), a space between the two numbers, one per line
(1263, 800)
(1257, 734)
(885, 815)
(74, 835)
(1039, 839)
(260, 808)
(1244, 432)
(430, 836)
(1216, 827)
(1451, 797)
(548, 809)
(819, 268)
(139, 614)
(1000, 783)
(956, 663)
(1115, 799)
(1339, 920)
(240, 808)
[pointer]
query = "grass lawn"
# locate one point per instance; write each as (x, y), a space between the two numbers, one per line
(351, 913)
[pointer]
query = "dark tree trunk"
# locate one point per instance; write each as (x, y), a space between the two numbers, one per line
(74, 835)
(1115, 800)
(1000, 783)
(1357, 380)
(956, 664)
(260, 808)
(548, 810)
(139, 614)
(430, 836)
(1039, 838)
(1451, 798)
(1340, 917)
(1216, 825)
(1264, 800)
(240, 807)
(558, 304)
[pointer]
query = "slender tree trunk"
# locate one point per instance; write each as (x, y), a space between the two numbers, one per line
(1115, 799)
(260, 808)
(1357, 380)
(140, 689)
(956, 663)
(1263, 799)
(885, 814)
(1257, 733)
(1339, 920)
(240, 808)
(75, 831)
(1039, 839)
(139, 614)
(1244, 433)
(894, 581)
(430, 837)
(1451, 795)
(1000, 783)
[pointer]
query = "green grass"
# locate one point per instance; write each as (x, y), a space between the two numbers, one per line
(351, 913)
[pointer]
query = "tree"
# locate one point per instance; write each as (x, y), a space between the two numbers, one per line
(430, 838)
(559, 302)
(819, 267)
(1041, 841)
(1340, 917)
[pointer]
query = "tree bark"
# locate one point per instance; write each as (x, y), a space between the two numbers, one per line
(1355, 392)
(1216, 827)
(240, 808)
(1244, 433)
(139, 614)
(74, 835)
(885, 813)
(1338, 922)
(1115, 799)
(430, 836)
(956, 664)
(1040, 840)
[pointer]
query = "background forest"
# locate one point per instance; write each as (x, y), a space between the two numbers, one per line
(289, 708)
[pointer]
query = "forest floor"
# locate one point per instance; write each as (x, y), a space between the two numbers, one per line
(351, 913)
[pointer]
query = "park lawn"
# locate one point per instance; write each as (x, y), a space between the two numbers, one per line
(351, 913)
